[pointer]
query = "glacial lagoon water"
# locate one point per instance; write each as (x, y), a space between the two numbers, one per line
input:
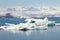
(52, 33)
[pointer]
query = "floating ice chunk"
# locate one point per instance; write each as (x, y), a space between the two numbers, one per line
(8, 24)
(57, 24)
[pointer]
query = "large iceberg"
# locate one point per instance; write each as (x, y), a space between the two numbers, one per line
(31, 24)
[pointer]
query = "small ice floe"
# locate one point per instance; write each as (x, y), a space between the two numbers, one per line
(57, 24)
(51, 23)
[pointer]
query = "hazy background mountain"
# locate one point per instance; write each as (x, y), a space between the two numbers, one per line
(29, 12)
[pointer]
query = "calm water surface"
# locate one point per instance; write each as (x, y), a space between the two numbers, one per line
(52, 33)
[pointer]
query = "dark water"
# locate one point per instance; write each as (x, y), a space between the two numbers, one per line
(52, 33)
(4, 20)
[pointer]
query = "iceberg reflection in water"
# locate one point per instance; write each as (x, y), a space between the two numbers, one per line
(52, 33)
(27, 33)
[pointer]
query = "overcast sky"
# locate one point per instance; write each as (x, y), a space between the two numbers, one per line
(4, 3)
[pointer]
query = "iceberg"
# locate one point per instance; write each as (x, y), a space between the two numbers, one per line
(31, 24)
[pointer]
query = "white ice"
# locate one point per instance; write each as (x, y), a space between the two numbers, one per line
(39, 24)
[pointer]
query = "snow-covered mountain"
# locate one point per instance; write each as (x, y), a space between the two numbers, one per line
(29, 12)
